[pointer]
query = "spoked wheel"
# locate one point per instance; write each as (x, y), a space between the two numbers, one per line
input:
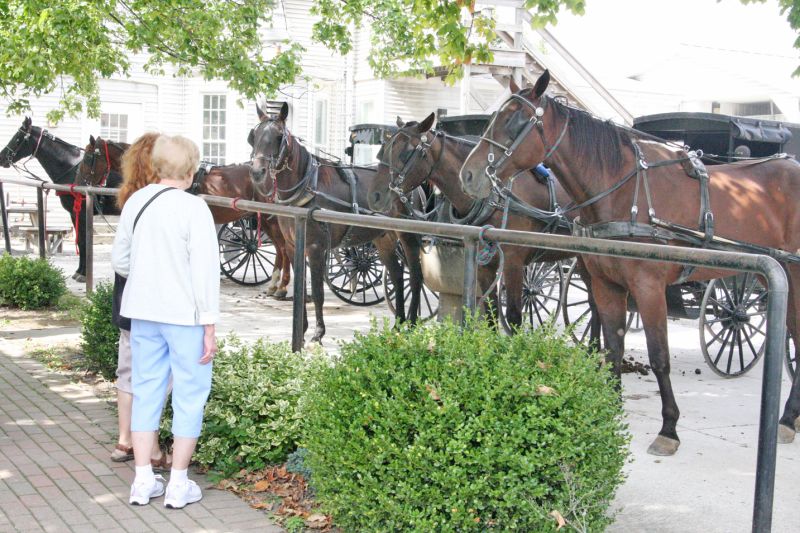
(355, 274)
(541, 295)
(575, 307)
(428, 299)
(733, 324)
(243, 258)
(634, 322)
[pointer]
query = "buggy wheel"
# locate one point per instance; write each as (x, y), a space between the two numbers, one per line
(575, 307)
(791, 356)
(733, 324)
(541, 295)
(245, 256)
(355, 274)
(428, 299)
(634, 322)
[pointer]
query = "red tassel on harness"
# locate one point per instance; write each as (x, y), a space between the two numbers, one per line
(76, 209)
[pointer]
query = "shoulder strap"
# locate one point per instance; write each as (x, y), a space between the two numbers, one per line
(156, 195)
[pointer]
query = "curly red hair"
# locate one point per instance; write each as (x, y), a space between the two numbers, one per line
(137, 167)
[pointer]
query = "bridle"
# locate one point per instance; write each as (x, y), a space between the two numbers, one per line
(535, 121)
(90, 160)
(279, 163)
(22, 136)
(420, 153)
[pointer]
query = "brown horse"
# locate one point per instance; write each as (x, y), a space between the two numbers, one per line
(101, 165)
(302, 180)
(616, 174)
(416, 154)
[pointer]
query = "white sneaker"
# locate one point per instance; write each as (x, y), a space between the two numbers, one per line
(179, 495)
(141, 493)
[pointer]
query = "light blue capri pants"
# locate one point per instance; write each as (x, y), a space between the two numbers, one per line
(159, 348)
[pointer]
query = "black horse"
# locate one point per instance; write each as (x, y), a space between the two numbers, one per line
(301, 179)
(60, 161)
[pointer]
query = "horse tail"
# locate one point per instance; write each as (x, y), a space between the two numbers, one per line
(137, 167)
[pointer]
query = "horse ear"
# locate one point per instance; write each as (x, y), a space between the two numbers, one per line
(92, 140)
(512, 86)
(541, 84)
(27, 122)
(400, 122)
(284, 112)
(426, 124)
(261, 114)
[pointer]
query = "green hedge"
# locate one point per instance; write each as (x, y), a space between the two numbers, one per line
(441, 428)
(252, 417)
(99, 335)
(29, 283)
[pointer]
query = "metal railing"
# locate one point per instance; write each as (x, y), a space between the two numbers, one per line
(761, 264)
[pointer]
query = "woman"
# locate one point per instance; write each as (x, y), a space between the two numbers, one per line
(135, 164)
(166, 246)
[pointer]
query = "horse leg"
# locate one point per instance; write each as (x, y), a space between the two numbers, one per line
(612, 304)
(513, 270)
(789, 421)
(285, 258)
(395, 267)
(490, 303)
(652, 306)
(594, 317)
(412, 246)
(80, 274)
(316, 259)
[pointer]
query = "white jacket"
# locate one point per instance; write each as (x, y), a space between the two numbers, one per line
(171, 260)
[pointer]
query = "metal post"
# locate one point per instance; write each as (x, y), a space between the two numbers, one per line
(42, 230)
(299, 291)
(89, 242)
(770, 395)
(4, 219)
(470, 274)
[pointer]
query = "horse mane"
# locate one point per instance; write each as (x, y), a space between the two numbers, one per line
(595, 141)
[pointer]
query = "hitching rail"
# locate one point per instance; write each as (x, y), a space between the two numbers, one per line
(761, 264)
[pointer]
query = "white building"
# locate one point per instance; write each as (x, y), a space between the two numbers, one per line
(340, 91)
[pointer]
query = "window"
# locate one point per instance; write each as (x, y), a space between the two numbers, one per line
(114, 127)
(214, 120)
(321, 122)
(366, 111)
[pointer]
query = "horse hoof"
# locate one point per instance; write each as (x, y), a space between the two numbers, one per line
(797, 423)
(785, 434)
(316, 340)
(663, 446)
(270, 291)
(280, 294)
(80, 278)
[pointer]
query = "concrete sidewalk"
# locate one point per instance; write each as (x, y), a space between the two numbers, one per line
(55, 471)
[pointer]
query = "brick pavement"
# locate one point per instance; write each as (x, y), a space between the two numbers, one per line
(55, 472)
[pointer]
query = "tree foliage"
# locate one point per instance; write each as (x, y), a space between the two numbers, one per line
(67, 46)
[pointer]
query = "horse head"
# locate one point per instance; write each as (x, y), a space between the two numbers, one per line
(272, 144)
(403, 163)
(101, 157)
(498, 155)
(22, 144)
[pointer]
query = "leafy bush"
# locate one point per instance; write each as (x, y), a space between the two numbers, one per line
(440, 428)
(252, 417)
(30, 283)
(99, 335)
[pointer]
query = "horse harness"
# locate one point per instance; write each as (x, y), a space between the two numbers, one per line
(656, 228)
(306, 190)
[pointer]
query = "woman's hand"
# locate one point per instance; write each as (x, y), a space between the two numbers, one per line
(209, 344)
